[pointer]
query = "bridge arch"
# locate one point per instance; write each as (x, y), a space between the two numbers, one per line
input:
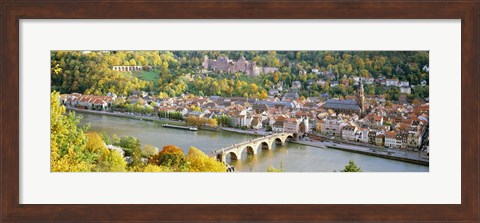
(250, 149)
(265, 144)
(279, 141)
(233, 155)
(289, 137)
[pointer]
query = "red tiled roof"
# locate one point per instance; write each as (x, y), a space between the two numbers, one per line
(391, 134)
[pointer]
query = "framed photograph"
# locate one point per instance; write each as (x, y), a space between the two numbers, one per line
(239, 111)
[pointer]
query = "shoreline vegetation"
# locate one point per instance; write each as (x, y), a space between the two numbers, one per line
(75, 149)
(376, 153)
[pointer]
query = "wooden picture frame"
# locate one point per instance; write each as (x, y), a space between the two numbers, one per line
(12, 11)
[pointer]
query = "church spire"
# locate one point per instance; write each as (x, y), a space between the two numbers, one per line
(361, 99)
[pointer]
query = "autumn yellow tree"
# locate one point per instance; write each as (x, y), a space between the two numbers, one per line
(212, 122)
(106, 160)
(155, 168)
(67, 140)
(73, 150)
(192, 120)
(199, 162)
(318, 128)
(94, 142)
(163, 95)
(263, 95)
(110, 161)
(194, 108)
(202, 121)
(416, 101)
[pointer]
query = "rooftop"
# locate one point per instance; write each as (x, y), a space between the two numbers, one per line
(341, 104)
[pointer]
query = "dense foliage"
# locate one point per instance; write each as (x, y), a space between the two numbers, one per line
(73, 149)
(178, 72)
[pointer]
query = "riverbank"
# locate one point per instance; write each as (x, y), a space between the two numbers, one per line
(130, 116)
(245, 132)
(409, 157)
(382, 153)
(137, 117)
(376, 152)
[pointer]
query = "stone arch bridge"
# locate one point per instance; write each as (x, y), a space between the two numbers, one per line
(131, 68)
(252, 146)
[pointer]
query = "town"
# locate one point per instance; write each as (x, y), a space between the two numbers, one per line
(259, 111)
(360, 119)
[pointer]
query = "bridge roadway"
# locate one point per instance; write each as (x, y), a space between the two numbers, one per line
(251, 146)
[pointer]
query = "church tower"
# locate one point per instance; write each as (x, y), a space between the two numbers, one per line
(361, 99)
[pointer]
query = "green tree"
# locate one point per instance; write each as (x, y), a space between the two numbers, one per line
(137, 164)
(128, 144)
(149, 151)
(351, 167)
(273, 169)
(268, 128)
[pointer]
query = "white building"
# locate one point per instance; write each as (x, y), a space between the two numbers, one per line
(115, 148)
(364, 135)
(405, 90)
(369, 80)
(414, 140)
(277, 126)
(394, 140)
(333, 83)
(390, 139)
(348, 132)
(291, 125)
(296, 85)
(404, 84)
(391, 82)
(332, 126)
(426, 68)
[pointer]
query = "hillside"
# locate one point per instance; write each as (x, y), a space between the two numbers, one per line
(177, 72)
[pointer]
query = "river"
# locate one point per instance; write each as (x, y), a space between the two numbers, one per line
(292, 157)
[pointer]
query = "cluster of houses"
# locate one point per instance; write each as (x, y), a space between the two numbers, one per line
(284, 116)
(358, 118)
(223, 64)
(404, 86)
(281, 116)
(396, 126)
(92, 102)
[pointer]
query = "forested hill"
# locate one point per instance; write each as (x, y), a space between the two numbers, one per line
(177, 72)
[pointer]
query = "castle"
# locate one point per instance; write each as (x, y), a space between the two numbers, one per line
(223, 64)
